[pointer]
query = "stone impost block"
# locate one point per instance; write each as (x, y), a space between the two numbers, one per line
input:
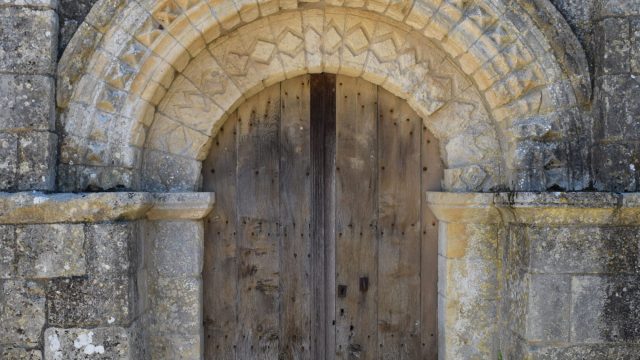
(28, 102)
(108, 343)
(38, 208)
(22, 315)
(49, 251)
(28, 40)
(8, 160)
(37, 161)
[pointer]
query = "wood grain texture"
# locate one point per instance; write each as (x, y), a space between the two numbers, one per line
(220, 272)
(356, 217)
(321, 245)
(399, 202)
(432, 173)
(258, 231)
(295, 219)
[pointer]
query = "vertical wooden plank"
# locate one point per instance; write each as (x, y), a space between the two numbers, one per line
(399, 246)
(295, 218)
(220, 261)
(322, 215)
(258, 212)
(432, 174)
(356, 214)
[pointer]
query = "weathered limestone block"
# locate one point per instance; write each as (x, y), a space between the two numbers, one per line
(174, 305)
(8, 160)
(88, 302)
(111, 248)
(49, 251)
(36, 161)
(600, 249)
(618, 8)
(605, 308)
(28, 40)
(613, 53)
(635, 46)
(22, 315)
(51, 4)
(175, 347)
(7, 251)
(176, 247)
(167, 172)
(548, 308)
(615, 166)
(108, 343)
(20, 354)
(28, 102)
(618, 107)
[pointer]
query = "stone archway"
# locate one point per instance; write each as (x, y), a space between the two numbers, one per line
(528, 91)
(145, 84)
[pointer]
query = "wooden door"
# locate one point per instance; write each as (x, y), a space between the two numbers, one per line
(320, 245)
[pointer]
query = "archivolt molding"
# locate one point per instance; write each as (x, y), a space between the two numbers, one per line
(485, 88)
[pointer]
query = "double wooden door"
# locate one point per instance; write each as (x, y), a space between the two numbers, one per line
(320, 245)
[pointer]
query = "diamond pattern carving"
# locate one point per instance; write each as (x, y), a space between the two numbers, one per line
(290, 43)
(263, 51)
(167, 13)
(332, 40)
(214, 83)
(357, 40)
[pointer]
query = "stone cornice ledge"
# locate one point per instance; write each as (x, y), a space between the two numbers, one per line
(552, 208)
(40, 208)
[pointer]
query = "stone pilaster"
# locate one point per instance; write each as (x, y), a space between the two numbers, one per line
(469, 272)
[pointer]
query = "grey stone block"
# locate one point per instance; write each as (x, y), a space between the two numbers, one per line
(110, 249)
(20, 354)
(615, 167)
(49, 251)
(584, 250)
(175, 347)
(167, 172)
(617, 102)
(28, 40)
(605, 309)
(21, 323)
(174, 305)
(108, 343)
(613, 52)
(37, 161)
(548, 318)
(176, 247)
(7, 251)
(50, 4)
(29, 102)
(100, 300)
(8, 160)
(635, 46)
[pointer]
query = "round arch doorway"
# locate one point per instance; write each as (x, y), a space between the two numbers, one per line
(321, 245)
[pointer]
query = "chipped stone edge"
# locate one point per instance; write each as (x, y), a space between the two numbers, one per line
(41, 208)
(555, 208)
